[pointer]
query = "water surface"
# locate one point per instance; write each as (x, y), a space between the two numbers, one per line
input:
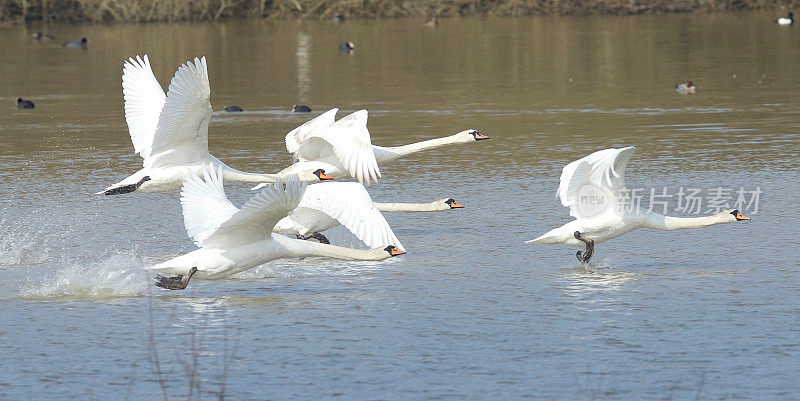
(470, 312)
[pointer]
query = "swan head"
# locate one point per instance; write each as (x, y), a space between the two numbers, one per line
(451, 203)
(469, 135)
(320, 174)
(393, 251)
(730, 216)
(738, 216)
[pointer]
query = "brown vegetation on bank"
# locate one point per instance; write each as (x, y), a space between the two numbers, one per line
(211, 10)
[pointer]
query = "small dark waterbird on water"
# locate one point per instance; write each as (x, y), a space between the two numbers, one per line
(75, 44)
(24, 104)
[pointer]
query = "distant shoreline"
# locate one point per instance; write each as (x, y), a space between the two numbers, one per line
(142, 11)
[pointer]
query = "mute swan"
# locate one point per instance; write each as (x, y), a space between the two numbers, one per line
(328, 205)
(786, 21)
(341, 148)
(435, 206)
(171, 132)
(601, 175)
(232, 240)
(383, 154)
(685, 87)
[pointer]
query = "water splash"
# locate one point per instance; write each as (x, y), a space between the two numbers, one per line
(19, 248)
(120, 275)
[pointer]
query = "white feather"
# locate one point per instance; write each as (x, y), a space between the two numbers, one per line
(347, 140)
(349, 203)
(212, 220)
(182, 134)
(296, 136)
(604, 169)
(144, 99)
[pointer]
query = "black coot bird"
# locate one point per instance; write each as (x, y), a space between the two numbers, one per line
(24, 104)
(299, 108)
(75, 44)
(231, 109)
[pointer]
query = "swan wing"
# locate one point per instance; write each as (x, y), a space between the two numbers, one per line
(296, 136)
(205, 206)
(349, 141)
(182, 134)
(257, 218)
(144, 99)
(603, 170)
(350, 204)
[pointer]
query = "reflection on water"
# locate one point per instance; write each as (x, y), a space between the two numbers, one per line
(303, 66)
(470, 312)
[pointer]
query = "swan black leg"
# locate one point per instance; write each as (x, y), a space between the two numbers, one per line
(175, 282)
(321, 238)
(126, 189)
(317, 236)
(589, 247)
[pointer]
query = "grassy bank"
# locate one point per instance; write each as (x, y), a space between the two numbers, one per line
(210, 10)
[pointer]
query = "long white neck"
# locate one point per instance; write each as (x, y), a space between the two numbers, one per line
(661, 222)
(230, 174)
(300, 248)
(412, 207)
(384, 154)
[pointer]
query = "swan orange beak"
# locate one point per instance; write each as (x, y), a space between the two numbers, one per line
(325, 177)
(455, 205)
(396, 252)
(739, 216)
(478, 136)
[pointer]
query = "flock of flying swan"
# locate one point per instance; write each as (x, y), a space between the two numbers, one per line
(170, 132)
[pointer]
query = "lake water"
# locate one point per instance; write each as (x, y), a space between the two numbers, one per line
(470, 312)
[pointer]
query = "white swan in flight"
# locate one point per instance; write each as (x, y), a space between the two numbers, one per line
(342, 148)
(328, 205)
(601, 175)
(232, 240)
(349, 204)
(170, 131)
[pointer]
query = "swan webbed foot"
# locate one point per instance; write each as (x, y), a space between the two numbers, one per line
(317, 236)
(589, 247)
(178, 282)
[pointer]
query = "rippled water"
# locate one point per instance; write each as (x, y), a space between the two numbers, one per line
(470, 312)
